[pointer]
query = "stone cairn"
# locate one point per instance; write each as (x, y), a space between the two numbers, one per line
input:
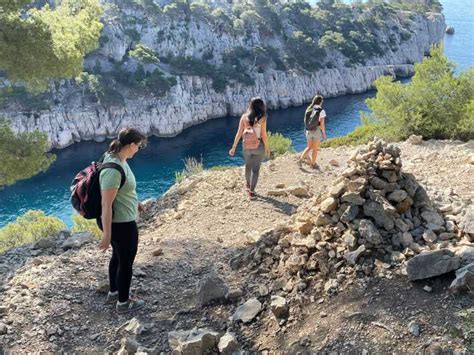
(371, 222)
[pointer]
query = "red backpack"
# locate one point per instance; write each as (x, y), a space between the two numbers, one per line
(85, 189)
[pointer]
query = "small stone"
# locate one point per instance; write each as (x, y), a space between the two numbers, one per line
(3, 328)
(352, 256)
(323, 219)
(134, 326)
(446, 236)
(464, 280)
(337, 189)
(195, 341)
(427, 288)
(333, 162)
(433, 218)
(398, 195)
(349, 239)
(429, 236)
(234, 294)
(414, 328)
(397, 257)
(328, 205)
(3, 309)
(228, 344)
(331, 284)
(406, 240)
(368, 231)
(349, 172)
(248, 311)
(279, 307)
(129, 345)
(323, 314)
(299, 191)
(157, 252)
(263, 290)
(353, 198)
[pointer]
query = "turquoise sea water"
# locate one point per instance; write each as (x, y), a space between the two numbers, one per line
(155, 166)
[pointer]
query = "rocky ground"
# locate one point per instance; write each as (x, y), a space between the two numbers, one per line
(295, 270)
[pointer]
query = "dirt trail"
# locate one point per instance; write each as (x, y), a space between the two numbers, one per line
(52, 303)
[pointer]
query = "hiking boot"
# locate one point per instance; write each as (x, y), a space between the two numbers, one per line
(130, 306)
(299, 162)
(111, 297)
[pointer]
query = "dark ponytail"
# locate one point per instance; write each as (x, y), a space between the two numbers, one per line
(256, 110)
(317, 100)
(125, 137)
(115, 147)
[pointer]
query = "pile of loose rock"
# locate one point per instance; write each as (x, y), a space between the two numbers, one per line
(375, 220)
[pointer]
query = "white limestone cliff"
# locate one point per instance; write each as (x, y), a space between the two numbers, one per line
(193, 100)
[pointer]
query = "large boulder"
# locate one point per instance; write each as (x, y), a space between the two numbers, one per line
(210, 288)
(432, 263)
(193, 342)
(77, 240)
(228, 344)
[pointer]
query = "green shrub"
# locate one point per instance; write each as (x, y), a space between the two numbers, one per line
(361, 135)
(192, 166)
(279, 144)
(80, 224)
(28, 228)
(437, 103)
(144, 54)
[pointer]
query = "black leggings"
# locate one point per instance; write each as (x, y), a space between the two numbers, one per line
(124, 250)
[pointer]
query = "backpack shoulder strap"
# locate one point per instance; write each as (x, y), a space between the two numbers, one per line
(118, 167)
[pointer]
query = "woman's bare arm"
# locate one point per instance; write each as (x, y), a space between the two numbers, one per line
(265, 136)
(238, 135)
(108, 197)
(323, 127)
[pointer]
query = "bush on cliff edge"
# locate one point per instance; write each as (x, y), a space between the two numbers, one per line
(29, 228)
(436, 104)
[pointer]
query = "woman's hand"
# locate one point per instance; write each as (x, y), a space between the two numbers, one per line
(104, 243)
(268, 151)
(141, 208)
(324, 135)
(232, 152)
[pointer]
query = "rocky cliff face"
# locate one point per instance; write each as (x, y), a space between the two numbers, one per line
(193, 99)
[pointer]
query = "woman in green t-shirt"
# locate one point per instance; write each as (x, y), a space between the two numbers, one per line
(120, 207)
